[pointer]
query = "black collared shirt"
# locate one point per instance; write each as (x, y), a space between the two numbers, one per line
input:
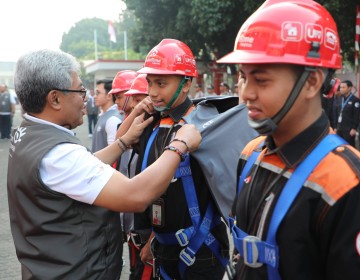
(317, 237)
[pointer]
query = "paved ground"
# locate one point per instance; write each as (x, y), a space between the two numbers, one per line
(9, 265)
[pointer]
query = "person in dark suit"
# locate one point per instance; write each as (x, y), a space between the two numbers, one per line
(348, 113)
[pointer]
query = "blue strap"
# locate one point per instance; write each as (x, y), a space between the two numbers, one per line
(293, 187)
(184, 171)
(148, 146)
(253, 250)
(198, 234)
(249, 163)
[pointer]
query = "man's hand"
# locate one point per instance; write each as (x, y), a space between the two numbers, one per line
(145, 106)
(136, 129)
(191, 135)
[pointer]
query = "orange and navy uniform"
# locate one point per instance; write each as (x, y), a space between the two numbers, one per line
(319, 237)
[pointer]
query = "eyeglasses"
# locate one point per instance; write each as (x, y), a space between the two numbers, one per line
(81, 91)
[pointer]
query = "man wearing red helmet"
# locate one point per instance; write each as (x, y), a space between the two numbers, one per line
(190, 238)
(121, 84)
(297, 212)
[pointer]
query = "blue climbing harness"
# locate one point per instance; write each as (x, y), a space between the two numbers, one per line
(256, 252)
(193, 237)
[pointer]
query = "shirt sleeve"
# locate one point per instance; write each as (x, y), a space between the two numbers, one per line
(72, 170)
(340, 237)
(111, 128)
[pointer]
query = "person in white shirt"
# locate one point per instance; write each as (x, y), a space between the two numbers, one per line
(110, 118)
(64, 203)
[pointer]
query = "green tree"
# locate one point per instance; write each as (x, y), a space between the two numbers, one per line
(80, 42)
(210, 26)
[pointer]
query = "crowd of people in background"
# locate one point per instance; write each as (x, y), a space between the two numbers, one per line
(149, 179)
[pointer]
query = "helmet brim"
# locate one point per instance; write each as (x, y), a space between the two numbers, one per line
(154, 71)
(254, 57)
(134, 92)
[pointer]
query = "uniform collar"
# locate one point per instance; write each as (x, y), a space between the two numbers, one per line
(295, 151)
(178, 112)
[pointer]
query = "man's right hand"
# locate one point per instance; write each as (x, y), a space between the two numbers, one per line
(191, 135)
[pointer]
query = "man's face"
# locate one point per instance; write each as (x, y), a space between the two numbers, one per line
(73, 106)
(122, 100)
(101, 97)
(136, 99)
(344, 89)
(265, 88)
(223, 89)
(163, 87)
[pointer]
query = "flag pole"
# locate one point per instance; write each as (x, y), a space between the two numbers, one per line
(95, 44)
(125, 45)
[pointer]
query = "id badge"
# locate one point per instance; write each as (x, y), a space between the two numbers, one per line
(340, 119)
(157, 213)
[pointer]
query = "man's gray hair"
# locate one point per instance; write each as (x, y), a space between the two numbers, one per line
(39, 72)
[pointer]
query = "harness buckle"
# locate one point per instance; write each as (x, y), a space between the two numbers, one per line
(186, 258)
(182, 238)
(250, 250)
(136, 239)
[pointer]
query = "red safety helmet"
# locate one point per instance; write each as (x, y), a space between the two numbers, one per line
(123, 81)
(170, 57)
(283, 31)
(138, 86)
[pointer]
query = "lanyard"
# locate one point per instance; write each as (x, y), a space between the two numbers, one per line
(344, 102)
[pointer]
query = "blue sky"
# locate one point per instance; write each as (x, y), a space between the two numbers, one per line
(34, 24)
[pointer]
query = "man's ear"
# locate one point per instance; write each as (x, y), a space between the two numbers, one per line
(187, 85)
(53, 99)
(314, 83)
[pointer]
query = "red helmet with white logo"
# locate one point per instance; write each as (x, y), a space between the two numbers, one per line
(138, 86)
(281, 31)
(170, 57)
(123, 81)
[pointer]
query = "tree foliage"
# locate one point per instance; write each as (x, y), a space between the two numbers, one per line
(210, 27)
(80, 39)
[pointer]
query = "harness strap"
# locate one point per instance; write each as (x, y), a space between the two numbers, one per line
(197, 234)
(184, 172)
(249, 163)
(257, 252)
(293, 187)
(148, 146)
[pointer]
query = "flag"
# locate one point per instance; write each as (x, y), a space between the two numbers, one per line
(111, 32)
(357, 35)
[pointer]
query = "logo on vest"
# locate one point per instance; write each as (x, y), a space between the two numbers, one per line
(20, 132)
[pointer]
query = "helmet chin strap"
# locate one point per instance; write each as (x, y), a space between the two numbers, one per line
(125, 103)
(269, 125)
(175, 96)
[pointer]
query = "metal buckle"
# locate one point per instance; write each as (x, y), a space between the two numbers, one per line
(250, 239)
(182, 237)
(186, 258)
(136, 239)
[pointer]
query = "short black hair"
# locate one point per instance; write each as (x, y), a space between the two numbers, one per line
(348, 83)
(107, 84)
